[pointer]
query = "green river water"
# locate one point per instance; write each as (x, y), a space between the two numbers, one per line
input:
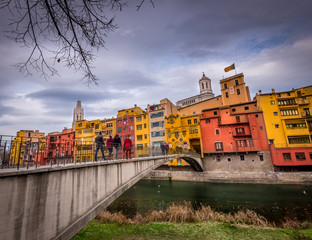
(275, 202)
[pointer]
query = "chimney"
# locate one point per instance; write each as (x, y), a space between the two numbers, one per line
(260, 92)
(273, 91)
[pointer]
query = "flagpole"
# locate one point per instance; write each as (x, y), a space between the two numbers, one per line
(235, 69)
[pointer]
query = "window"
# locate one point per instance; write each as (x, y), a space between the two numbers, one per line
(271, 141)
(144, 125)
(217, 131)
(246, 108)
(79, 124)
(96, 126)
(310, 156)
(286, 102)
(193, 130)
(125, 128)
(109, 124)
(289, 112)
(156, 115)
(272, 102)
(240, 131)
(144, 116)
(229, 159)
(296, 125)
(218, 158)
(300, 156)
(131, 128)
(189, 121)
(287, 156)
(119, 129)
(275, 113)
(276, 125)
(261, 128)
(215, 113)
(158, 124)
(176, 134)
(236, 82)
(237, 119)
(139, 119)
(145, 136)
(233, 109)
(140, 146)
(225, 86)
(195, 121)
(288, 94)
(242, 157)
(139, 137)
(261, 157)
(124, 120)
(238, 92)
(139, 127)
(299, 140)
(169, 134)
(207, 120)
(244, 143)
(130, 119)
(158, 133)
(226, 94)
(219, 146)
(306, 112)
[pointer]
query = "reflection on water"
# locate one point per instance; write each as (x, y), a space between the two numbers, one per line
(275, 202)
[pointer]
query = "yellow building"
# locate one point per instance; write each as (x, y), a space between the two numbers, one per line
(287, 116)
(183, 135)
(85, 134)
(27, 147)
(142, 134)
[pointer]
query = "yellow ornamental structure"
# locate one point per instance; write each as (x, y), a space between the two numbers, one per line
(183, 135)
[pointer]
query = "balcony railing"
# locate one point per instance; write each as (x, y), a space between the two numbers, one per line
(303, 102)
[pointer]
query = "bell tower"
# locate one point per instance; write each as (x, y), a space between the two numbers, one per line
(78, 114)
(205, 85)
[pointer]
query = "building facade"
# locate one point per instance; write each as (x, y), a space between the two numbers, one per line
(28, 148)
(59, 146)
(288, 120)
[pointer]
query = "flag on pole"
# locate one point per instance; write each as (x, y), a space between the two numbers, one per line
(229, 68)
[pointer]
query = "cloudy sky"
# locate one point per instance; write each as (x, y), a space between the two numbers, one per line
(160, 53)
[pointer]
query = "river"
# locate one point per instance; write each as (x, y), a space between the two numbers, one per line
(274, 202)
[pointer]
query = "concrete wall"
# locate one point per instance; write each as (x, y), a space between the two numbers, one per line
(267, 177)
(252, 162)
(55, 203)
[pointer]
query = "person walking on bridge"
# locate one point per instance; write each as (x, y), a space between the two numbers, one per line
(109, 144)
(127, 147)
(117, 143)
(99, 145)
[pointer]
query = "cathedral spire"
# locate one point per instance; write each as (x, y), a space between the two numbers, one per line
(78, 114)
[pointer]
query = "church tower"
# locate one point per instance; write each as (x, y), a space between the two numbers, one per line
(205, 85)
(78, 114)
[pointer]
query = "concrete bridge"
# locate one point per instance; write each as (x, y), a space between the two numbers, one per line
(57, 202)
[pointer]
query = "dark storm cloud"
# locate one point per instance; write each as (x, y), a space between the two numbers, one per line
(69, 95)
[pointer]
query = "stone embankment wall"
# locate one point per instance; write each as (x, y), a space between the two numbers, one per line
(268, 177)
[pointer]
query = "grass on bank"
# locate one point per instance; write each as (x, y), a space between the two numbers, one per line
(181, 221)
(197, 231)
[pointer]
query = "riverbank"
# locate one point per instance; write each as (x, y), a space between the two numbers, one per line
(269, 177)
(197, 231)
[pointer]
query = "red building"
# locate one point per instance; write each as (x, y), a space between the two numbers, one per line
(60, 146)
(234, 137)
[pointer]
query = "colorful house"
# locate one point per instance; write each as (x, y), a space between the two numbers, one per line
(126, 122)
(288, 121)
(157, 114)
(234, 138)
(59, 146)
(142, 137)
(27, 148)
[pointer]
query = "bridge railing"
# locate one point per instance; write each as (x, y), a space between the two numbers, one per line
(33, 152)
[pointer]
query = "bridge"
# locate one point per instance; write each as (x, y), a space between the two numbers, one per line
(56, 202)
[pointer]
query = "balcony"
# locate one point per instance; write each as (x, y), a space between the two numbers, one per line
(241, 135)
(303, 102)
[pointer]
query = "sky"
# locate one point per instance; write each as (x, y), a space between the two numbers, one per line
(161, 52)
